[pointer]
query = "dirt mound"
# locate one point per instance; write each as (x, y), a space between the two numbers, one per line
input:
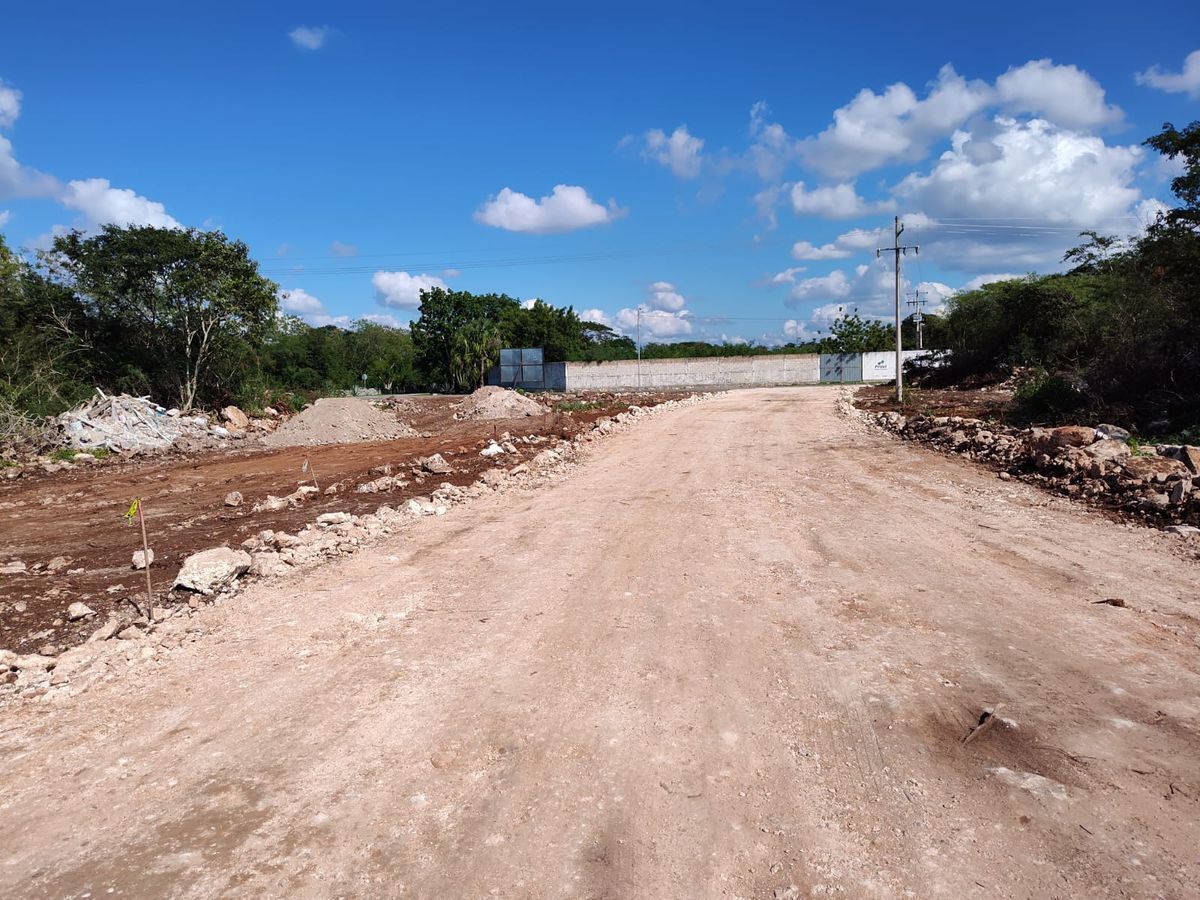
(498, 403)
(338, 420)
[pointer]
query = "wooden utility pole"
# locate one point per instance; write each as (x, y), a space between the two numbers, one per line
(899, 251)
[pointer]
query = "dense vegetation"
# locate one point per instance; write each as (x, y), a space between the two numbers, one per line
(1118, 334)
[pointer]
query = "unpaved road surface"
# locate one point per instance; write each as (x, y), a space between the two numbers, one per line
(735, 652)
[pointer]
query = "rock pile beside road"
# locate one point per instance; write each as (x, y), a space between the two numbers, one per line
(1160, 483)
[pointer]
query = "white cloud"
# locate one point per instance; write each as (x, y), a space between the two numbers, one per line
(838, 201)
(655, 323)
(10, 105)
(772, 148)
(664, 296)
(598, 316)
(1028, 169)
(102, 204)
(337, 248)
(935, 294)
(833, 285)
(530, 303)
(679, 151)
(400, 289)
(567, 208)
(450, 273)
(875, 129)
(1185, 81)
(798, 331)
(5, 215)
(299, 302)
(323, 320)
(309, 37)
(861, 238)
(787, 276)
(1065, 95)
(805, 250)
(980, 280)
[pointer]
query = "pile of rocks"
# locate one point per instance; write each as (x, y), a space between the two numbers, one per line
(125, 424)
(1157, 482)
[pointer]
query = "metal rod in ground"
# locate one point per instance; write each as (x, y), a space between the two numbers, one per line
(146, 560)
(313, 473)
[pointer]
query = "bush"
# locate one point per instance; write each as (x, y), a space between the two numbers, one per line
(1040, 394)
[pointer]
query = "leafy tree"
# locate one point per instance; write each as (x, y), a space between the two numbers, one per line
(1172, 144)
(443, 315)
(474, 350)
(169, 302)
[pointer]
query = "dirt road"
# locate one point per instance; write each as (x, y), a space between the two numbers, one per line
(734, 654)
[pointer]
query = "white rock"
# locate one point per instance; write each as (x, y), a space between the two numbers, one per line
(492, 449)
(333, 518)
(208, 571)
(140, 561)
(233, 498)
(79, 610)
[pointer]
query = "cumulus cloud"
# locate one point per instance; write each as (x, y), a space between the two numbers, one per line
(337, 248)
(798, 331)
(1065, 95)
(771, 147)
(102, 204)
(875, 129)
(806, 250)
(567, 208)
(835, 284)
(299, 302)
(664, 296)
(679, 151)
(980, 280)
(1028, 169)
(787, 276)
(5, 215)
(386, 319)
(597, 316)
(1185, 81)
(310, 37)
(10, 105)
(400, 289)
(655, 323)
(838, 201)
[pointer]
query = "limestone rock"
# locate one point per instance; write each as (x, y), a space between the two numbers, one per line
(435, 465)
(140, 559)
(233, 498)
(79, 610)
(208, 571)
(235, 417)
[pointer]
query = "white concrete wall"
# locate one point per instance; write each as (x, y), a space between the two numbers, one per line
(707, 371)
(882, 366)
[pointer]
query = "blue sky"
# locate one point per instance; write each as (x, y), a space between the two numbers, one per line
(725, 168)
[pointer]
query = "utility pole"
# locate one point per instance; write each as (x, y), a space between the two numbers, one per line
(919, 316)
(899, 251)
(639, 346)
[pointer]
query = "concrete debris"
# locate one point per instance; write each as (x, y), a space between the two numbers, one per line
(233, 498)
(271, 504)
(127, 424)
(140, 560)
(1155, 483)
(209, 571)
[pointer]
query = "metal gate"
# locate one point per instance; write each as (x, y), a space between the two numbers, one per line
(522, 368)
(841, 367)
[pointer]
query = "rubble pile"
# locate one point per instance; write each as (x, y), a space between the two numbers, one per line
(126, 424)
(339, 420)
(1156, 482)
(494, 402)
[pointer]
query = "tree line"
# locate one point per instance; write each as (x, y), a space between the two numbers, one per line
(1116, 335)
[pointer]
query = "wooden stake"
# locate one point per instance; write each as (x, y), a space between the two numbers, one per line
(313, 473)
(146, 557)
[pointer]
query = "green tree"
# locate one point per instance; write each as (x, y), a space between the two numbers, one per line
(474, 350)
(1172, 144)
(170, 302)
(443, 315)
